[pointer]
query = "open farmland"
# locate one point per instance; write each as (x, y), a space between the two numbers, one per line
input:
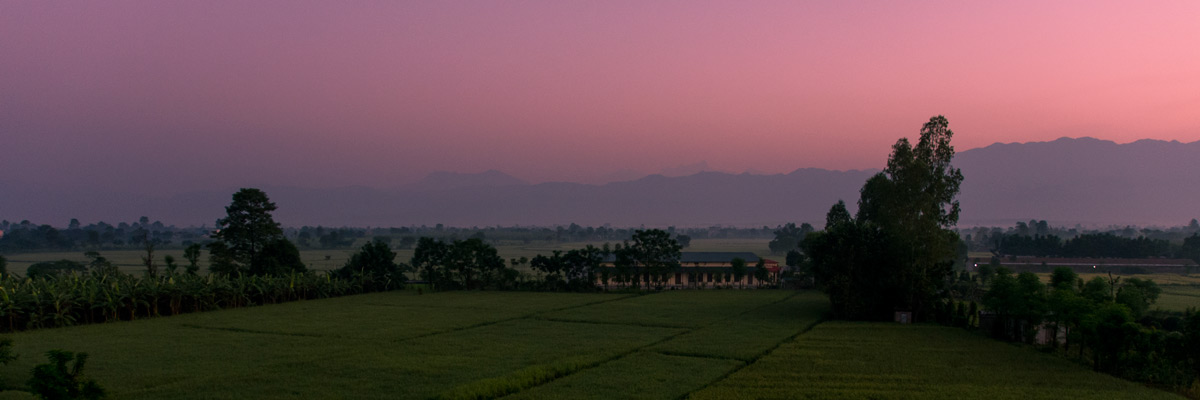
(847, 360)
(401, 344)
(707, 344)
(1178, 297)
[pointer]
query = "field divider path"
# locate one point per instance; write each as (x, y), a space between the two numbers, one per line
(531, 315)
(647, 347)
(575, 321)
(697, 355)
(538, 381)
(256, 331)
(758, 357)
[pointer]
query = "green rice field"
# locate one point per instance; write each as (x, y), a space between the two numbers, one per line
(668, 345)
(1178, 297)
(846, 360)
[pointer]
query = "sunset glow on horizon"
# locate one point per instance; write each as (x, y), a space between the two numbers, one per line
(144, 95)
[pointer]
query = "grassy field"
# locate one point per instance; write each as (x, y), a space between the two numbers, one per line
(130, 261)
(400, 344)
(675, 344)
(890, 361)
(1178, 297)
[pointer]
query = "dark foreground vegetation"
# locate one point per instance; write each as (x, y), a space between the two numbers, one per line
(895, 258)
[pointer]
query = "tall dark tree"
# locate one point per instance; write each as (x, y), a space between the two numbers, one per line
(1191, 247)
(246, 232)
(761, 273)
(192, 254)
(148, 259)
(3, 266)
(898, 250)
(738, 268)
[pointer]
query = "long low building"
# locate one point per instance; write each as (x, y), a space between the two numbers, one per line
(707, 269)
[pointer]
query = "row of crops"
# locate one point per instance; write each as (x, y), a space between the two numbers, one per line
(72, 299)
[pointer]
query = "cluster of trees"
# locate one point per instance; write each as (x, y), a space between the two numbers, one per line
(898, 251)
(1104, 320)
(26, 236)
(461, 264)
(1104, 245)
(1035, 237)
(788, 237)
(375, 268)
(330, 238)
(576, 270)
(647, 260)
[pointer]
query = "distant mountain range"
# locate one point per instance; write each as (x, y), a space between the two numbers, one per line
(1066, 181)
(1087, 181)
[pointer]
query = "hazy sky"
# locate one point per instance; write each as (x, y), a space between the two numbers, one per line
(172, 95)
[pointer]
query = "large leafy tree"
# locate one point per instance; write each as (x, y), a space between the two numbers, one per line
(428, 258)
(473, 262)
(375, 258)
(651, 254)
(375, 266)
(249, 240)
(898, 250)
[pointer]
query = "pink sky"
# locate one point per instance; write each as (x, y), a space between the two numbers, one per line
(169, 96)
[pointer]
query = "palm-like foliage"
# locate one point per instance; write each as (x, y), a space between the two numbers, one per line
(71, 299)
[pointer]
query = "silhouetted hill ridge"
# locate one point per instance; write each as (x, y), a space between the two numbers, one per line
(1065, 181)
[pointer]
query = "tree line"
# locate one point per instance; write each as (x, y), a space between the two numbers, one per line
(1095, 245)
(1105, 321)
(252, 262)
(1039, 237)
(26, 236)
(647, 260)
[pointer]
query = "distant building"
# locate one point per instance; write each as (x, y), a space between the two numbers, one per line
(706, 269)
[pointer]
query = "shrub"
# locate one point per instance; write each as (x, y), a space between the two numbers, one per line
(6, 354)
(54, 380)
(48, 268)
